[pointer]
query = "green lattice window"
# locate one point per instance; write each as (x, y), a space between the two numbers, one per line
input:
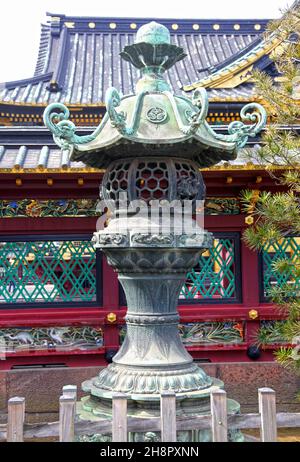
(288, 247)
(217, 274)
(44, 271)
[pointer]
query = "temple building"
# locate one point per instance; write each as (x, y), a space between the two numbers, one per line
(60, 302)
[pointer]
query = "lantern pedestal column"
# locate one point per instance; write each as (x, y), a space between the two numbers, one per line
(152, 358)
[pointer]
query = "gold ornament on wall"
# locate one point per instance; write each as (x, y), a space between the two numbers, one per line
(111, 317)
(249, 220)
(253, 314)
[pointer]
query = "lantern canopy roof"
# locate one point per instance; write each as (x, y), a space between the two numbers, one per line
(153, 121)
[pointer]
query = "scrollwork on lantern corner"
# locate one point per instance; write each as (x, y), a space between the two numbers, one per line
(252, 112)
(55, 118)
(239, 132)
(200, 101)
(118, 119)
(196, 115)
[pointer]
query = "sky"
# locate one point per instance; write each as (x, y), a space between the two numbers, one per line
(20, 21)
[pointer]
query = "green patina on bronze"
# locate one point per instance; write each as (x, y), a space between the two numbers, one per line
(125, 123)
(153, 144)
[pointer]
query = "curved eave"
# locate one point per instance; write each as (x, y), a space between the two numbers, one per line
(235, 99)
(17, 161)
(32, 80)
(203, 137)
(221, 78)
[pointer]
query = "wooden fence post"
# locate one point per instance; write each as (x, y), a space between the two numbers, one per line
(168, 417)
(67, 407)
(119, 418)
(218, 406)
(267, 410)
(70, 391)
(15, 422)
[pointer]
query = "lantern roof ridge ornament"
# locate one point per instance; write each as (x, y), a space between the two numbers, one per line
(152, 50)
(153, 121)
(153, 33)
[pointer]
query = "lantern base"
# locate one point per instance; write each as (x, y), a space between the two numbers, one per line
(139, 380)
(189, 404)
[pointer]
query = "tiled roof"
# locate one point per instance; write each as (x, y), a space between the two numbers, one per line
(31, 158)
(257, 55)
(28, 159)
(33, 150)
(243, 92)
(81, 55)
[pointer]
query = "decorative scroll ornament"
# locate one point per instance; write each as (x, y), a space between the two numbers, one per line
(118, 119)
(240, 132)
(200, 100)
(63, 130)
(196, 116)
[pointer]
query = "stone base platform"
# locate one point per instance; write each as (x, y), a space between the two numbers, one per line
(42, 387)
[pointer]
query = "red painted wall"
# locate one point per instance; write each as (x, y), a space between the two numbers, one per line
(34, 186)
